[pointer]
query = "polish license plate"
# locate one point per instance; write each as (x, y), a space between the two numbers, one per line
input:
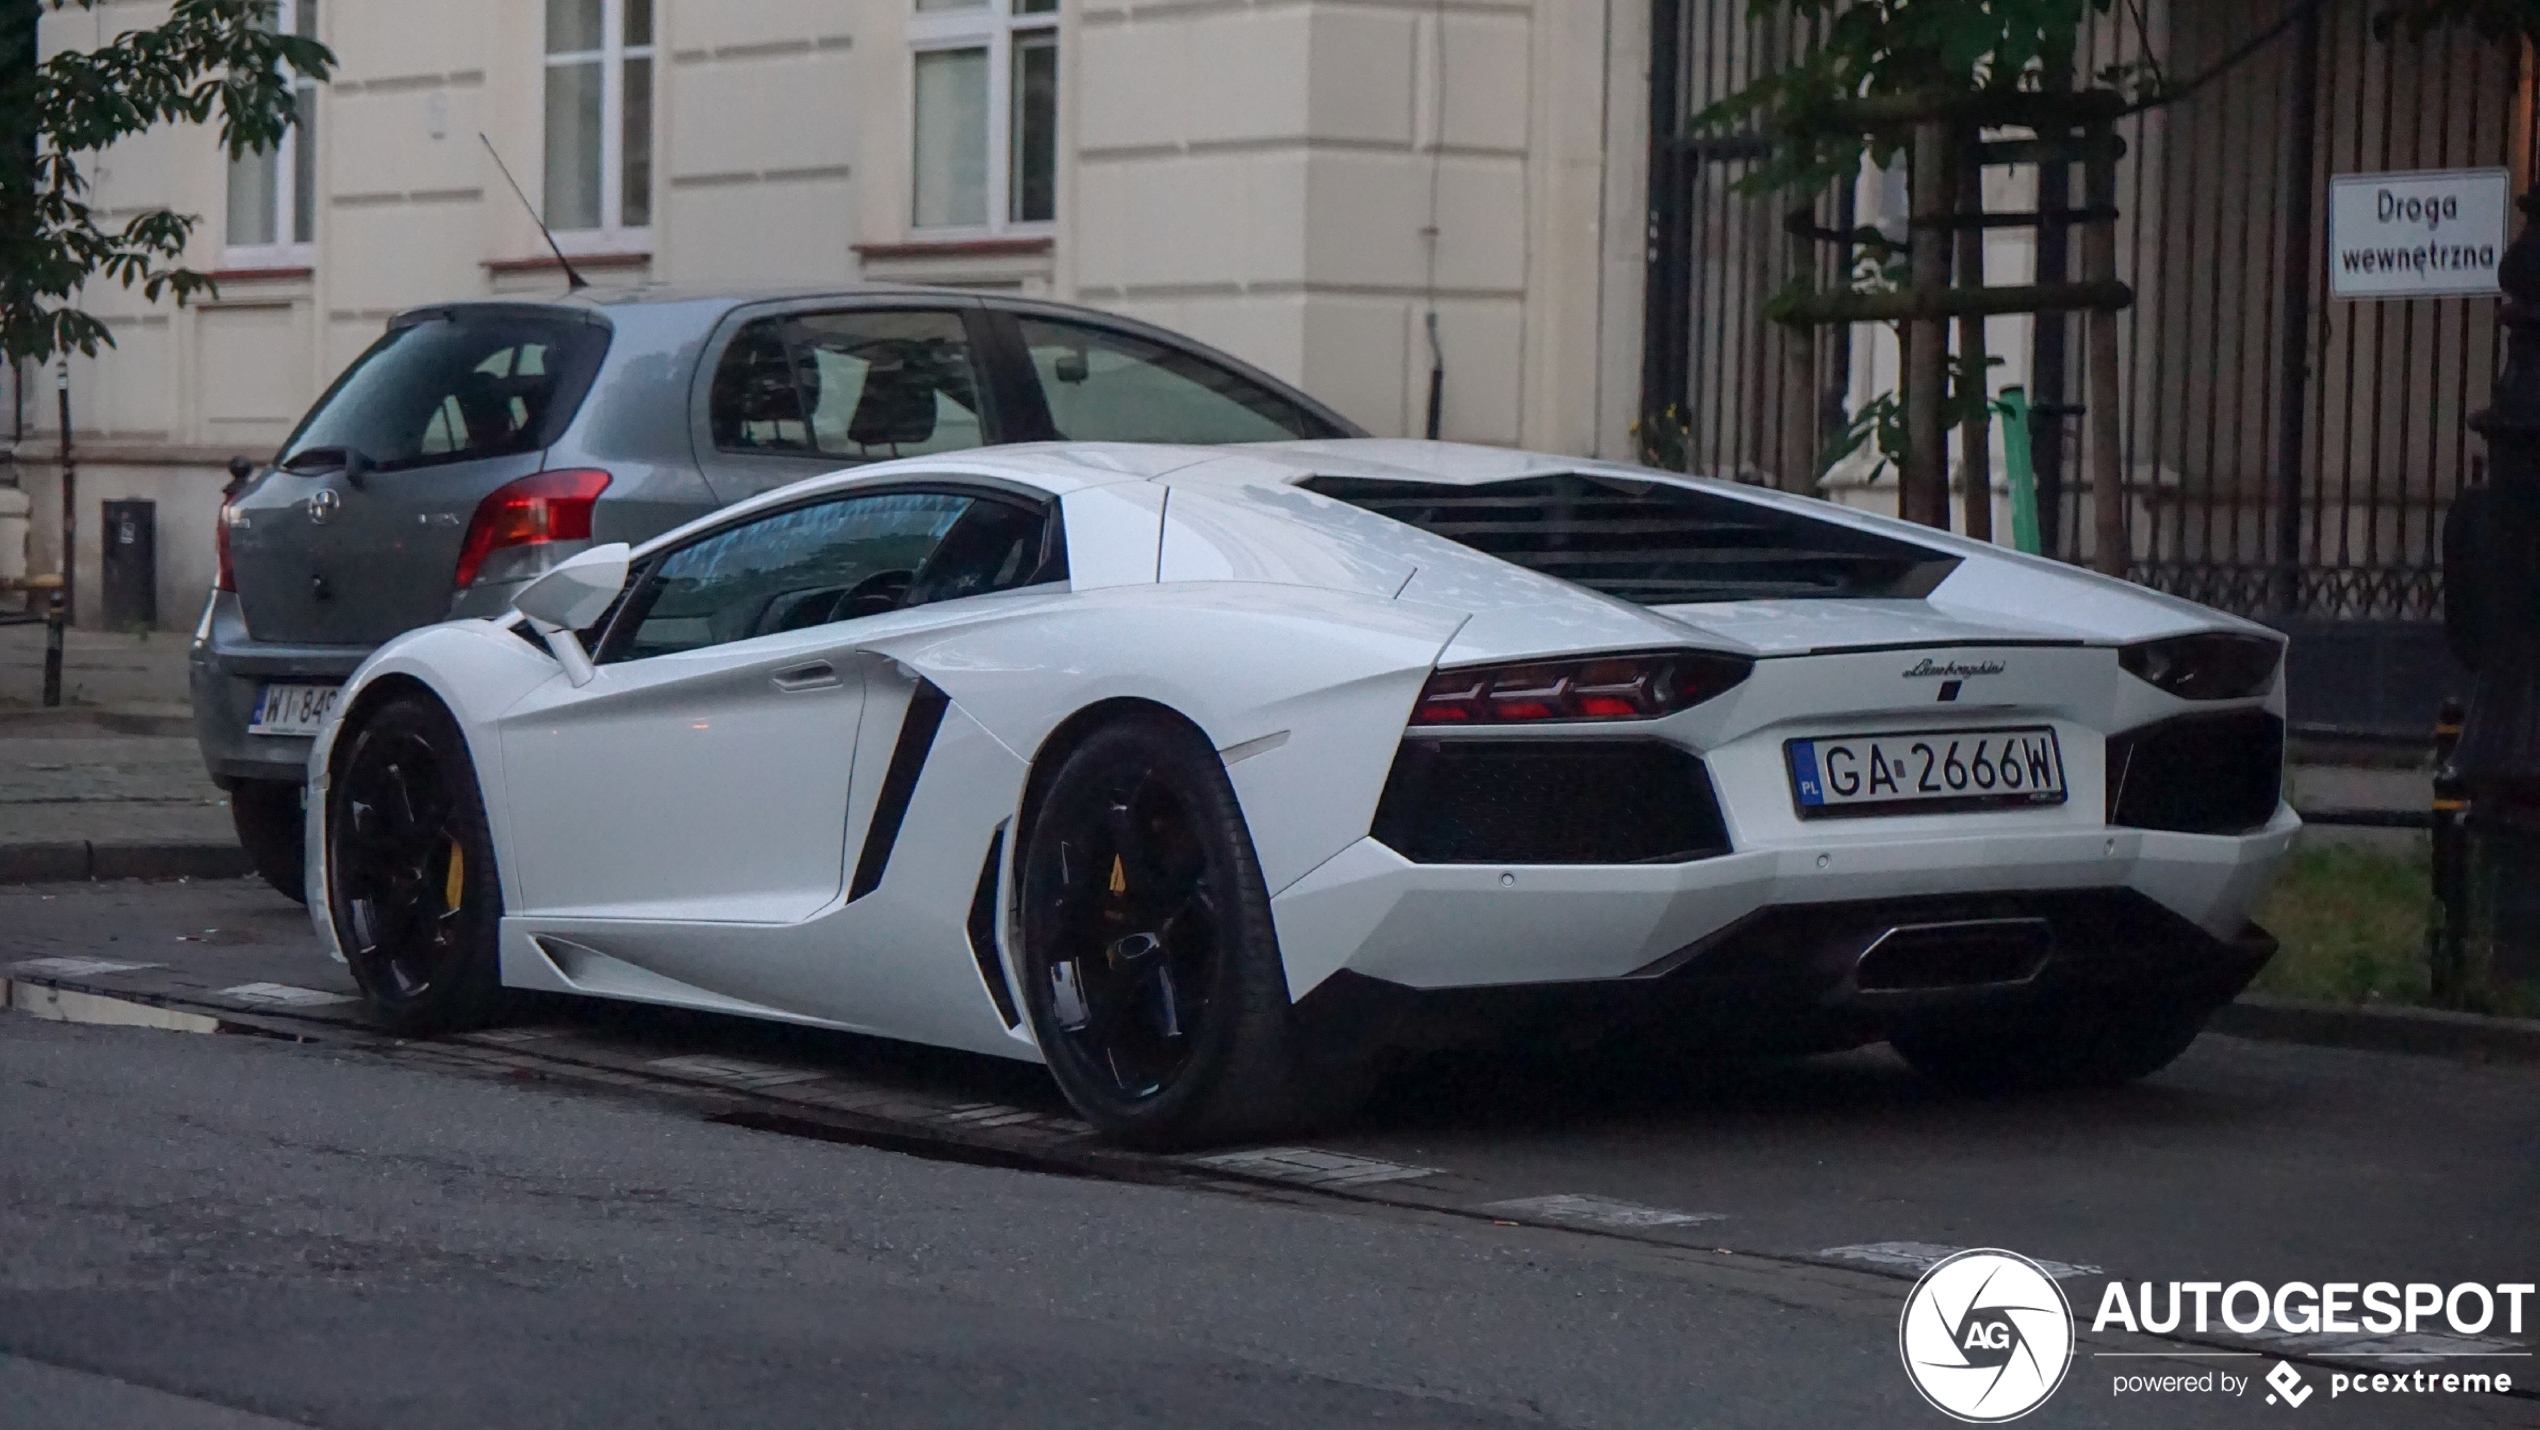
(1926, 771)
(291, 709)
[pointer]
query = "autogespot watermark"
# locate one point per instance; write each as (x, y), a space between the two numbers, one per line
(1988, 1336)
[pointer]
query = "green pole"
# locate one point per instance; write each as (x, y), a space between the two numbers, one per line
(2023, 477)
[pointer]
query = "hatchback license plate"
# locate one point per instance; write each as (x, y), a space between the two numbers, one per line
(291, 709)
(1926, 771)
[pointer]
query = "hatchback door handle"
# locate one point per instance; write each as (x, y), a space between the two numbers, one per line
(817, 675)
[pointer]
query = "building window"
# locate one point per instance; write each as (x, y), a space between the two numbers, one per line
(600, 123)
(985, 127)
(272, 215)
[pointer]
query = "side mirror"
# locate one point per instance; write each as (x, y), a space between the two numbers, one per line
(572, 596)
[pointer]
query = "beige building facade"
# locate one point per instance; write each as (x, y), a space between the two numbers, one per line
(1313, 185)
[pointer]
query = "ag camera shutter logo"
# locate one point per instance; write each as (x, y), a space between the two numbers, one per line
(1987, 1336)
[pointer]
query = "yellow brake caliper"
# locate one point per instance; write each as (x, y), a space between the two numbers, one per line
(454, 883)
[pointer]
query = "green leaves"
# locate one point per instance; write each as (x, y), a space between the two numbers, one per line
(1888, 47)
(211, 60)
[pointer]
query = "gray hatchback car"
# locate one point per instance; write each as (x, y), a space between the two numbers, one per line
(477, 444)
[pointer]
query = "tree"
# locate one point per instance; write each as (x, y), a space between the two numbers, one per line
(1892, 49)
(210, 58)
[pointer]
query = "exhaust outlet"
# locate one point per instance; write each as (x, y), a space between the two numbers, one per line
(1965, 953)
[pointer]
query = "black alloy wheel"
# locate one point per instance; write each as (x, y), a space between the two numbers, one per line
(411, 879)
(1150, 967)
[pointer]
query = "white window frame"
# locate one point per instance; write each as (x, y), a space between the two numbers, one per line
(612, 236)
(991, 26)
(285, 251)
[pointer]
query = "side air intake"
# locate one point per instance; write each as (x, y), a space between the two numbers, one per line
(2199, 774)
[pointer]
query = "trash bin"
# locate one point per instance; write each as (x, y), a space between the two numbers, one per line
(128, 576)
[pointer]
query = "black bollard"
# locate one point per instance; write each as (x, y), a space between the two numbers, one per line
(2446, 963)
(53, 650)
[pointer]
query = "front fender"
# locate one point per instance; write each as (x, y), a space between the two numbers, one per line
(477, 669)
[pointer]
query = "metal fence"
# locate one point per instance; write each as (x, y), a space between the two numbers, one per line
(2285, 454)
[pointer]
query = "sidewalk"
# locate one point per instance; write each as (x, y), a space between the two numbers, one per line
(109, 785)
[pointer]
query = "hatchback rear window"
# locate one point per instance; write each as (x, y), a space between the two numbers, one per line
(1653, 543)
(452, 386)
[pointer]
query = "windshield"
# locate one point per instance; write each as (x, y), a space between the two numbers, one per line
(455, 386)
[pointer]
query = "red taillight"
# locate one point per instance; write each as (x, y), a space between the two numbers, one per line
(224, 578)
(1606, 687)
(544, 506)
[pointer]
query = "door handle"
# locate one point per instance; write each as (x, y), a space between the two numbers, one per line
(816, 675)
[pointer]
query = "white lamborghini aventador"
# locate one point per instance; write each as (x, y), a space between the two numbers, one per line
(1201, 774)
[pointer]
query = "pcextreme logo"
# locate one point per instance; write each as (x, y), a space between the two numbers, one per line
(1987, 1336)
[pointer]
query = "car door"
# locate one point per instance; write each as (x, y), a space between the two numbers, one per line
(702, 775)
(784, 395)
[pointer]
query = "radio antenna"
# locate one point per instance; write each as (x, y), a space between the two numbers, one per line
(574, 281)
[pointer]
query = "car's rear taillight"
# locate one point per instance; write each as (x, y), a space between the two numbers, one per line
(1605, 687)
(2211, 665)
(541, 507)
(225, 577)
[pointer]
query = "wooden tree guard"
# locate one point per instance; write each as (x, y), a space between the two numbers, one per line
(1946, 159)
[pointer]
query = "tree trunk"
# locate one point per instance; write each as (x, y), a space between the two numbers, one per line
(1923, 485)
(1975, 433)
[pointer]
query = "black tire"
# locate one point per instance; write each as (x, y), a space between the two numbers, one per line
(272, 828)
(1141, 893)
(2050, 1049)
(411, 878)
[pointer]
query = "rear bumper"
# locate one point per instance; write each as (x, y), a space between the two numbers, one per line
(1379, 915)
(226, 668)
(1796, 978)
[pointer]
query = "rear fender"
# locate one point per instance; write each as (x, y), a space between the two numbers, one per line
(1304, 692)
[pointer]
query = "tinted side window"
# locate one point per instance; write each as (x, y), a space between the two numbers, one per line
(754, 406)
(454, 387)
(857, 386)
(1103, 386)
(833, 561)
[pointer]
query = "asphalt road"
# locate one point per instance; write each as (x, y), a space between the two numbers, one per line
(198, 1231)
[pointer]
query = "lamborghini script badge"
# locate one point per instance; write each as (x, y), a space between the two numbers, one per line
(1931, 669)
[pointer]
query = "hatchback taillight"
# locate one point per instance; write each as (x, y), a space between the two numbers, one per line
(224, 577)
(1605, 687)
(541, 507)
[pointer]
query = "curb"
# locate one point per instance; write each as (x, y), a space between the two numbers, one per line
(2436, 1031)
(75, 860)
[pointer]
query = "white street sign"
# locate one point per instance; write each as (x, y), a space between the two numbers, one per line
(2416, 235)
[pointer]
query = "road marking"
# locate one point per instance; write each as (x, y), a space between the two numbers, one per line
(283, 995)
(1310, 1167)
(2422, 1348)
(986, 1114)
(510, 1035)
(76, 967)
(1597, 1211)
(738, 1072)
(1921, 1256)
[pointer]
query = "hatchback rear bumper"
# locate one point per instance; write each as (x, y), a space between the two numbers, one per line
(226, 668)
